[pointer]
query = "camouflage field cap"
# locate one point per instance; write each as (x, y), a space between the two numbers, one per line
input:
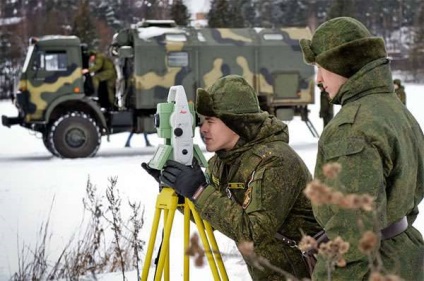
(232, 100)
(397, 82)
(342, 45)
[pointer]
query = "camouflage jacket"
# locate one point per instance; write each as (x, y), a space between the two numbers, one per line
(102, 63)
(380, 147)
(255, 191)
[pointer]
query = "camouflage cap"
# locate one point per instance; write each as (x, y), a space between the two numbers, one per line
(342, 45)
(232, 100)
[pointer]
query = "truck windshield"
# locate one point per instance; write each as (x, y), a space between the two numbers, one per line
(28, 57)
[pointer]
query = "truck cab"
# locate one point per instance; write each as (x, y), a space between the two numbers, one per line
(54, 99)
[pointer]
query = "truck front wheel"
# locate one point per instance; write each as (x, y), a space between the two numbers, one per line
(75, 135)
(47, 143)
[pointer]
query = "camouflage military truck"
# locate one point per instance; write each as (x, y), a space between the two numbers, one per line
(54, 97)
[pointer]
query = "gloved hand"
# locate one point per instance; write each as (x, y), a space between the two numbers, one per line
(185, 180)
(153, 172)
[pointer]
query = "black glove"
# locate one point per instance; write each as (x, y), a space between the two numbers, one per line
(185, 180)
(153, 172)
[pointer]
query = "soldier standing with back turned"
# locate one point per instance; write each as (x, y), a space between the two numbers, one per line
(380, 147)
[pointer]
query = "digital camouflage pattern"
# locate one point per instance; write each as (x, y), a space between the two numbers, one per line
(234, 101)
(256, 188)
(380, 147)
(266, 178)
(342, 45)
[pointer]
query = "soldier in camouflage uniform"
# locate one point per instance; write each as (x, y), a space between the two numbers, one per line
(104, 70)
(379, 145)
(255, 181)
(400, 90)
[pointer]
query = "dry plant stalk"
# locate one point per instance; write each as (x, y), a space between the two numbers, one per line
(93, 253)
(320, 194)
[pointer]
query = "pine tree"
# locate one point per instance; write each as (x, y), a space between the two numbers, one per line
(219, 14)
(248, 10)
(52, 21)
(236, 19)
(417, 50)
(157, 9)
(179, 13)
(83, 27)
(107, 11)
(341, 8)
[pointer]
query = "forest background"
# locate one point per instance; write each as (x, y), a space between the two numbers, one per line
(399, 22)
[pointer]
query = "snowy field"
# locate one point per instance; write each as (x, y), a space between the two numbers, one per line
(32, 181)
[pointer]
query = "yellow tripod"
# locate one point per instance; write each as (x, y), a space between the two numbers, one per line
(167, 201)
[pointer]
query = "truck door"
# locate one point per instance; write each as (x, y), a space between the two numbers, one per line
(52, 73)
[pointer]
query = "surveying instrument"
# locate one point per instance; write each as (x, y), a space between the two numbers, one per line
(175, 122)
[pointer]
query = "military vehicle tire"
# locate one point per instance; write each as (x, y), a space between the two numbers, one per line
(75, 135)
(47, 143)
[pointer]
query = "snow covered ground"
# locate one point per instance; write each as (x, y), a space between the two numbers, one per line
(32, 181)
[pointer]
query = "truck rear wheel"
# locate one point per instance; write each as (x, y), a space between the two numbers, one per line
(75, 135)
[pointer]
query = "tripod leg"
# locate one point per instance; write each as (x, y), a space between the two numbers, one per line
(209, 252)
(168, 201)
(148, 259)
(163, 264)
(215, 250)
(186, 241)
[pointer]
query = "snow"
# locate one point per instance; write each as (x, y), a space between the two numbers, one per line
(32, 182)
(197, 6)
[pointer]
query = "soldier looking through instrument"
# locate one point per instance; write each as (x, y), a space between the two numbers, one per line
(253, 186)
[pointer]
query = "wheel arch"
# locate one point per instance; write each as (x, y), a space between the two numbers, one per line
(75, 134)
(65, 104)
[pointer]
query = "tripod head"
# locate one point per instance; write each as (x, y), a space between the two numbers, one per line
(175, 122)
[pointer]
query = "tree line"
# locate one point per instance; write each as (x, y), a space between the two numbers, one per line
(399, 22)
